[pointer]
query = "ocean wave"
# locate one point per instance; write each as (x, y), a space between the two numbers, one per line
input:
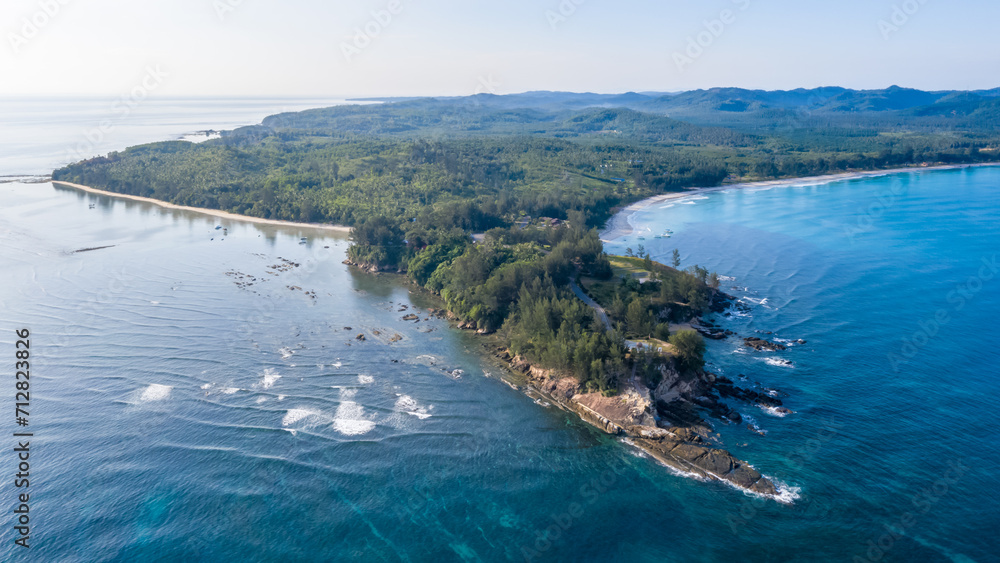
(681, 473)
(155, 392)
(293, 416)
(408, 405)
(773, 411)
(787, 494)
(753, 424)
(230, 391)
(286, 352)
(365, 379)
(778, 362)
(635, 449)
(350, 421)
(268, 379)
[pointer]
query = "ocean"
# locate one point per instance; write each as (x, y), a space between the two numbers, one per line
(200, 393)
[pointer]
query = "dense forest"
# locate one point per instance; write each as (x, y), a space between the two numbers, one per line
(537, 173)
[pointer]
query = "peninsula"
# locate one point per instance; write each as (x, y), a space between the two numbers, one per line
(494, 203)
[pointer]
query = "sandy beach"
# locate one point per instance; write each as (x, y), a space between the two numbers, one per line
(618, 226)
(212, 212)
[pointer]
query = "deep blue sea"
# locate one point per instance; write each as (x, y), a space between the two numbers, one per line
(196, 394)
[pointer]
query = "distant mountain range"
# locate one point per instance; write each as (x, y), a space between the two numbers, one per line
(733, 107)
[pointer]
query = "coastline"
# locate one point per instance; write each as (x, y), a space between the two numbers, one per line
(205, 211)
(618, 226)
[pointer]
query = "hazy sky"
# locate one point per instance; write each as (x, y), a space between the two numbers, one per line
(460, 47)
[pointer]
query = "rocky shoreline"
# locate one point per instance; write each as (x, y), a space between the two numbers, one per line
(660, 421)
(663, 421)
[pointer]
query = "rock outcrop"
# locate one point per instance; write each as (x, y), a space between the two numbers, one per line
(763, 345)
(679, 439)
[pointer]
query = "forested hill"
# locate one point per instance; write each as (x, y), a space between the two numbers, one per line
(789, 109)
(537, 173)
(544, 153)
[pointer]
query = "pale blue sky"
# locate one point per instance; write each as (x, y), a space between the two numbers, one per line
(459, 47)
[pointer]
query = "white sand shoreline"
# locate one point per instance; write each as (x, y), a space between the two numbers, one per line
(211, 212)
(618, 226)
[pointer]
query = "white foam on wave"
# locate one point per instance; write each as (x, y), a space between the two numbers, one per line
(261, 400)
(365, 379)
(268, 379)
(350, 420)
(634, 449)
(787, 494)
(281, 397)
(408, 405)
(689, 203)
(230, 391)
(668, 206)
(753, 424)
(337, 365)
(155, 392)
(680, 473)
(779, 362)
(286, 352)
(206, 386)
(298, 415)
(773, 411)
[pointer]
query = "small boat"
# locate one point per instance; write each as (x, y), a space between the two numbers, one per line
(92, 206)
(303, 240)
(217, 227)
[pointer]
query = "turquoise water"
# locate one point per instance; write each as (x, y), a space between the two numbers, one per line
(892, 282)
(164, 432)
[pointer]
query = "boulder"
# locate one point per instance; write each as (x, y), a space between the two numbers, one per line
(719, 462)
(763, 345)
